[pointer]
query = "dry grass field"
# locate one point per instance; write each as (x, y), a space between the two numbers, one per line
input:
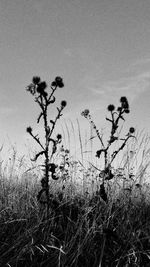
(81, 229)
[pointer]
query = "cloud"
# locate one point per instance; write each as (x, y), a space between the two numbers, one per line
(130, 86)
(141, 62)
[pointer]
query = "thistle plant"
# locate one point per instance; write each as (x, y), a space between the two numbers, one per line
(116, 115)
(45, 98)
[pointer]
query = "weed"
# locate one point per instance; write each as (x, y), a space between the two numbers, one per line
(116, 116)
(44, 99)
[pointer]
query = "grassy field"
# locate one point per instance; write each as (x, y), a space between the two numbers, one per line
(81, 229)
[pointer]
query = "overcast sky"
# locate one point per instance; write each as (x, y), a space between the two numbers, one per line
(101, 48)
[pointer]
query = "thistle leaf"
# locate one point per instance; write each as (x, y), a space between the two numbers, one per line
(103, 194)
(41, 114)
(52, 100)
(54, 177)
(37, 155)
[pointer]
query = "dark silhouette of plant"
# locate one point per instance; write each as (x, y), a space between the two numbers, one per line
(44, 99)
(116, 116)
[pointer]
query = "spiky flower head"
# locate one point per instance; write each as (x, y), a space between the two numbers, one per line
(59, 82)
(124, 102)
(63, 103)
(31, 88)
(123, 99)
(41, 87)
(53, 84)
(111, 107)
(59, 136)
(85, 113)
(29, 130)
(131, 130)
(36, 80)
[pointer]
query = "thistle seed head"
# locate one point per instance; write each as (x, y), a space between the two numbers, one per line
(36, 80)
(85, 113)
(29, 130)
(59, 82)
(124, 102)
(131, 130)
(41, 87)
(63, 103)
(123, 99)
(59, 137)
(53, 84)
(111, 107)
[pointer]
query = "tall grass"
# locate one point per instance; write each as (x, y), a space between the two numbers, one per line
(87, 225)
(82, 229)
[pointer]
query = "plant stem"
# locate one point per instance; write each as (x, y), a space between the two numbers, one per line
(46, 159)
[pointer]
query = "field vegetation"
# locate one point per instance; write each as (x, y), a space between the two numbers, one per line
(64, 213)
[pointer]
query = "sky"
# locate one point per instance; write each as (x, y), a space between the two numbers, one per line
(101, 48)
